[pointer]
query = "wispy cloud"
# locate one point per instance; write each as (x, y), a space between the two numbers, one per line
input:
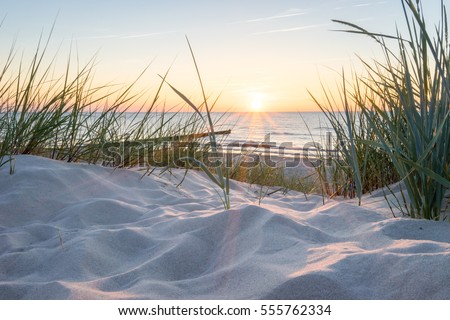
(360, 5)
(367, 4)
(312, 26)
(283, 15)
(288, 14)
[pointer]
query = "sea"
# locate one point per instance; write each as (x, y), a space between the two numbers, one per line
(290, 129)
(293, 129)
(282, 134)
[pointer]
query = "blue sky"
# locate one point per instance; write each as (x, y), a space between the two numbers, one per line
(271, 51)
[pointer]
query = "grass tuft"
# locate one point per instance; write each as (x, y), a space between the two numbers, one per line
(396, 123)
(66, 117)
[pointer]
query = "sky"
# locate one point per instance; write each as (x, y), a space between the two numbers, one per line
(258, 55)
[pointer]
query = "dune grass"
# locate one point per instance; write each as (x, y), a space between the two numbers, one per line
(359, 168)
(66, 117)
(395, 124)
(269, 179)
(221, 179)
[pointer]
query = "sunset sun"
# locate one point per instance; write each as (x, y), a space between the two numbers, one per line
(256, 103)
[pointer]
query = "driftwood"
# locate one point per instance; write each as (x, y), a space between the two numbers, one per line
(193, 136)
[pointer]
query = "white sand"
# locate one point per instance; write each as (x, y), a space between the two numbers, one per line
(71, 231)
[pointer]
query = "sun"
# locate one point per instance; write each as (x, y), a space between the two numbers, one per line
(256, 103)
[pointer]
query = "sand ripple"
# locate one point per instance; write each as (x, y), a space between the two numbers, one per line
(71, 231)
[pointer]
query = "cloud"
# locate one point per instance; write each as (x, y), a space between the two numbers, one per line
(283, 15)
(288, 14)
(360, 5)
(369, 4)
(312, 26)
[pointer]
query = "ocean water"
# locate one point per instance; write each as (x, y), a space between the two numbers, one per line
(295, 129)
(287, 139)
(283, 134)
(290, 129)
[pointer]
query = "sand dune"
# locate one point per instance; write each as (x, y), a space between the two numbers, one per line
(73, 231)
